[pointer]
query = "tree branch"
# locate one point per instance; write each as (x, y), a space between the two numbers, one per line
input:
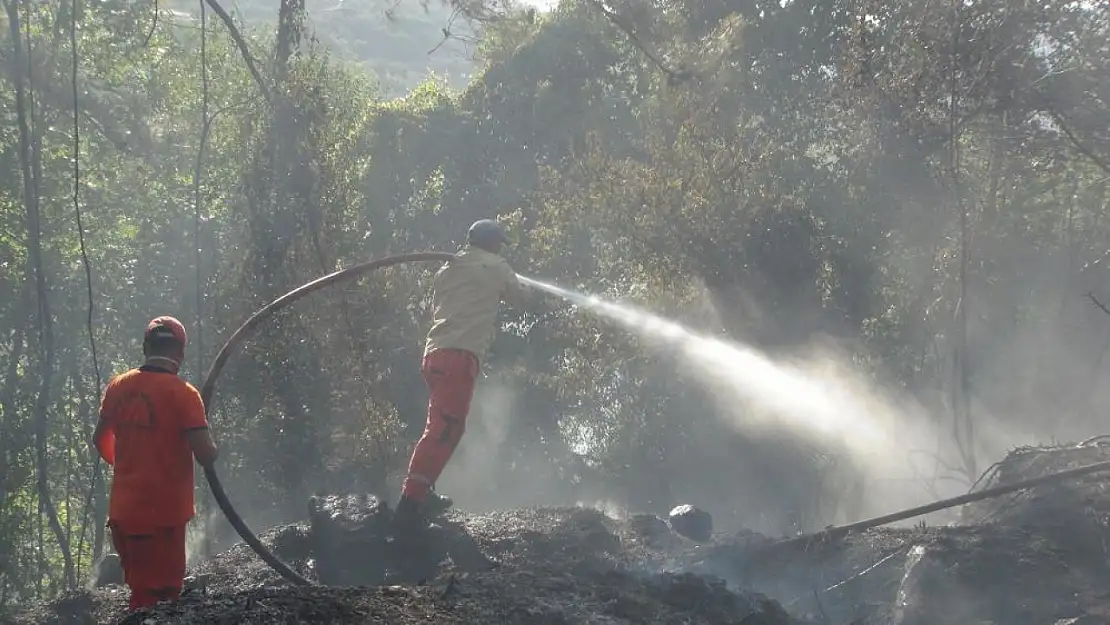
(244, 50)
(622, 24)
(1077, 144)
(1094, 300)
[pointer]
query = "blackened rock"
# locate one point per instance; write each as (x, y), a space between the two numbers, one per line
(291, 543)
(990, 575)
(691, 522)
(109, 570)
(648, 526)
(349, 539)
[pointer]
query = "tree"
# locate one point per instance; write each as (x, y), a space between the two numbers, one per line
(780, 174)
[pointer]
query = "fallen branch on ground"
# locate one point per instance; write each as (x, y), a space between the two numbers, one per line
(842, 531)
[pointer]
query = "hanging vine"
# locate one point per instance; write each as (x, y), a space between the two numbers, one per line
(94, 482)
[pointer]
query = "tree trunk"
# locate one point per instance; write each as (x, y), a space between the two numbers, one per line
(963, 423)
(30, 162)
(86, 416)
(8, 400)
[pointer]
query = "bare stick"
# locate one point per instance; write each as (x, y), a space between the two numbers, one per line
(1094, 300)
(833, 533)
(245, 51)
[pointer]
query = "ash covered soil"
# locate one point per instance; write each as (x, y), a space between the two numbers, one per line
(1040, 556)
(536, 567)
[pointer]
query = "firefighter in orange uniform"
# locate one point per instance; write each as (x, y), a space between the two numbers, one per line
(152, 425)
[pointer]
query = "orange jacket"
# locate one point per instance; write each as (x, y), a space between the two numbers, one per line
(145, 415)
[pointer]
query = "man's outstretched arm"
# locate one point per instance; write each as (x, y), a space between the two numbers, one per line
(515, 293)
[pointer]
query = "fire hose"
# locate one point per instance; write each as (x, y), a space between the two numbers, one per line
(831, 533)
(235, 342)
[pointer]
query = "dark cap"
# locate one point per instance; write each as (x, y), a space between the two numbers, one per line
(486, 232)
(165, 327)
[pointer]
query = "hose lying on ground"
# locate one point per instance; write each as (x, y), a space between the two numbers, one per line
(232, 345)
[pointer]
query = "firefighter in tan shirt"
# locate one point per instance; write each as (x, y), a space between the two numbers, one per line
(467, 295)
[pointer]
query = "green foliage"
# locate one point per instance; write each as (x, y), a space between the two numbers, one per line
(774, 172)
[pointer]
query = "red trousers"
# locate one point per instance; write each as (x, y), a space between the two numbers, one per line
(153, 561)
(450, 375)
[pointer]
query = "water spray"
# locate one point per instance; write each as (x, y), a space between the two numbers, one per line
(798, 401)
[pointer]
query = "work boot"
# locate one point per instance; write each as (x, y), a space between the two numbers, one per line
(436, 505)
(408, 518)
(409, 540)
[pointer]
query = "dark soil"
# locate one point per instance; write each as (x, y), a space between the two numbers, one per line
(528, 567)
(1032, 558)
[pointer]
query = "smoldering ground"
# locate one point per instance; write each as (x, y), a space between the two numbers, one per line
(578, 565)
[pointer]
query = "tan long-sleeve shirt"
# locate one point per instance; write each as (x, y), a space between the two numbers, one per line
(467, 295)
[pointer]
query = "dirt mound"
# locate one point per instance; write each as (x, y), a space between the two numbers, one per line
(1064, 507)
(535, 567)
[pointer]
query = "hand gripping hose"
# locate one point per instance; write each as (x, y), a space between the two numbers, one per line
(233, 344)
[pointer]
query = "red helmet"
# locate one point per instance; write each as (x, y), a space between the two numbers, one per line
(165, 327)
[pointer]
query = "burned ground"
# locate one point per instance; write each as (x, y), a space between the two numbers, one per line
(535, 567)
(1039, 556)
(1036, 556)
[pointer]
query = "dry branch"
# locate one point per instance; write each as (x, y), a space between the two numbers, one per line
(1079, 145)
(244, 50)
(1094, 300)
(838, 532)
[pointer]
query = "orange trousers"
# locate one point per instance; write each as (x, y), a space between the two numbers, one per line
(450, 375)
(153, 561)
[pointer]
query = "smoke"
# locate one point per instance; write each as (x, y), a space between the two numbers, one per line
(475, 466)
(813, 397)
(490, 470)
(608, 507)
(198, 533)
